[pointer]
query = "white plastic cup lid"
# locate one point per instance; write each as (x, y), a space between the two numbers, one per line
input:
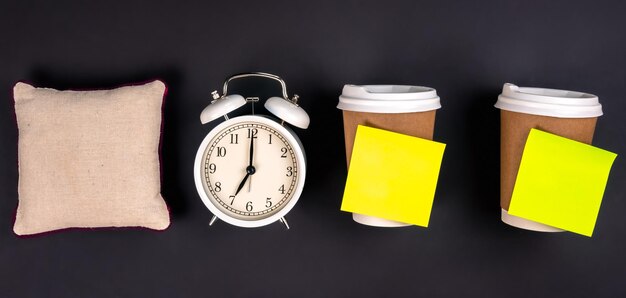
(388, 99)
(548, 102)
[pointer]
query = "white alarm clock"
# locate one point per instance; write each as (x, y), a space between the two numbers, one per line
(250, 170)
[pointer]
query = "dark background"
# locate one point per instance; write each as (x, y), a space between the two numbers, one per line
(466, 50)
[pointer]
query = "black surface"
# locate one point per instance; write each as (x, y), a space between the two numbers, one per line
(466, 50)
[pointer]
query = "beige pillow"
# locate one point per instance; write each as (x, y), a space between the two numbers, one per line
(89, 159)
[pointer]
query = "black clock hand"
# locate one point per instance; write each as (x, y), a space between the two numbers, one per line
(251, 150)
(250, 170)
(243, 182)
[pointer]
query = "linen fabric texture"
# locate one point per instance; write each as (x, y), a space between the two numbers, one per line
(89, 159)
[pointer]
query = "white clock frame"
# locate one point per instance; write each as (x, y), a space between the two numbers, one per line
(298, 149)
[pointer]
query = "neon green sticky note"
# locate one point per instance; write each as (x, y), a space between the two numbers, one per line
(392, 176)
(560, 182)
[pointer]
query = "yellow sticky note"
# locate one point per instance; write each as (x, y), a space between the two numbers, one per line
(392, 176)
(561, 182)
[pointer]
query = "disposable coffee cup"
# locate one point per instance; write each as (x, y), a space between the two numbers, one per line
(569, 114)
(408, 110)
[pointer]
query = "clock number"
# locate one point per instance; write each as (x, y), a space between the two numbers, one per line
(232, 199)
(212, 168)
(284, 151)
(218, 186)
(249, 206)
(282, 189)
(234, 138)
(252, 133)
(289, 171)
(268, 203)
(270, 139)
(221, 151)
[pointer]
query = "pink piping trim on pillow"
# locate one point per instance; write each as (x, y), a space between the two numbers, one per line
(17, 156)
(60, 231)
(160, 154)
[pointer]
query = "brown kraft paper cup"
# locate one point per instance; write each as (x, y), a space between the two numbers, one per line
(408, 110)
(515, 128)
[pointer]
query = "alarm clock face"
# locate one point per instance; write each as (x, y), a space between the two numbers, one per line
(250, 171)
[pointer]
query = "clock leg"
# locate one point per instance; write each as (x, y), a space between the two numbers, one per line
(284, 221)
(212, 220)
